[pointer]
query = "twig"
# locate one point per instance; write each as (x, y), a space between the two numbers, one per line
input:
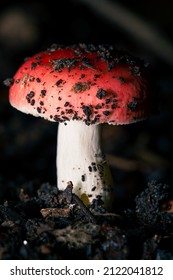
(73, 198)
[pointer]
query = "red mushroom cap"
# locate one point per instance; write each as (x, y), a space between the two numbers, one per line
(83, 82)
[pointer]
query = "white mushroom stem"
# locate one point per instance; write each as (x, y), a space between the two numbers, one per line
(81, 161)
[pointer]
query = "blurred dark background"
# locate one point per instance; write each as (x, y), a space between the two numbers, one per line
(137, 153)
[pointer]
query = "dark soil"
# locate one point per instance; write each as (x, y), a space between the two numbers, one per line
(47, 224)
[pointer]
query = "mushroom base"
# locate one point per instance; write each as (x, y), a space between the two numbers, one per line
(81, 161)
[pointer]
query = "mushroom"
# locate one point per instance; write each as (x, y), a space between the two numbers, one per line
(82, 87)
